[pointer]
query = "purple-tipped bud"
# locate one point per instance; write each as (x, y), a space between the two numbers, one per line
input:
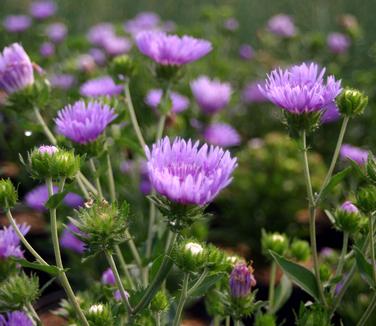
(117, 295)
(349, 207)
(108, 277)
(241, 280)
(49, 149)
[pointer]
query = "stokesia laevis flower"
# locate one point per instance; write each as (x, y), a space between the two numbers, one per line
(246, 52)
(144, 21)
(354, 153)
(10, 242)
(108, 277)
(101, 86)
(47, 49)
(338, 43)
(179, 102)
(16, 69)
(172, 50)
(330, 113)
(69, 241)
(42, 9)
(100, 32)
(252, 94)
(301, 89)
(241, 280)
(15, 318)
(62, 81)
(186, 173)
(281, 25)
(211, 95)
(221, 134)
(84, 123)
(16, 23)
(56, 32)
(115, 45)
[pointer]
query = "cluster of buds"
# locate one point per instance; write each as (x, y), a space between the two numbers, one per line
(275, 242)
(348, 218)
(8, 194)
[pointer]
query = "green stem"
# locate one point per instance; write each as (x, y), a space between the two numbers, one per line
(237, 323)
(110, 175)
(161, 125)
(182, 299)
(87, 183)
(158, 318)
(372, 246)
(368, 311)
(273, 272)
(123, 266)
(83, 188)
(149, 240)
(59, 263)
(96, 178)
(343, 254)
(198, 282)
(33, 313)
(227, 321)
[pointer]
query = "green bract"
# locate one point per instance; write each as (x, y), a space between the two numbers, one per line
(366, 199)
(159, 302)
(189, 255)
(352, 102)
(300, 250)
(348, 221)
(8, 194)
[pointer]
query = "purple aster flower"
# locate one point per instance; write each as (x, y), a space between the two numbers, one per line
(186, 173)
(171, 49)
(73, 200)
(108, 277)
(301, 89)
(117, 295)
(221, 134)
(42, 9)
(330, 113)
(16, 23)
(349, 207)
(179, 102)
(37, 197)
(252, 94)
(338, 43)
(62, 81)
(281, 25)
(145, 186)
(356, 154)
(16, 69)
(211, 95)
(69, 241)
(10, 242)
(231, 24)
(15, 318)
(98, 33)
(143, 22)
(98, 55)
(115, 45)
(246, 52)
(241, 280)
(56, 32)
(84, 123)
(47, 149)
(101, 86)
(47, 49)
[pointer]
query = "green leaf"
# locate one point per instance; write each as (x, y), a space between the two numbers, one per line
(50, 269)
(155, 266)
(357, 169)
(364, 266)
(335, 180)
(298, 274)
(55, 200)
(282, 293)
(206, 284)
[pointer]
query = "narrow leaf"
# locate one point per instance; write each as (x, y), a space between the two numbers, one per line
(282, 293)
(335, 180)
(50, 269)
(365, 268)
(55, 200)
(206, 284)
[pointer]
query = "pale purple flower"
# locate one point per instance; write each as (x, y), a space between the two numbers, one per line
(117, 295)
(231, 24)
(47, 149)
(246, 52)
(15, 318)
(84, 123)
(186, 173)
(100, 32)
(69, 241)
(16, 23)
(126, 166)
(281, 25)
(211, 95)
(47, 49)
(10, 242)
(179, 102)
(241, 280)
(252, 94)
(143, 22)
(16, 69)
(115, 45)
(327, 252)
(108, 277)
(62, 81)
(85, 62)
(301, 89)
(56, 32)
(221, 134)
(172, 50)
(73, 200)
(101, 86)
(42, 9)
(98, 55)
(330, 113)
(349, 207)
(353, 153)
(338, 42)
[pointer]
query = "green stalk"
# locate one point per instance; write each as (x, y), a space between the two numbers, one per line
(368, 311)
(33, 313)
(161, 125)
(228, 320)
(198, 282)
(123, 266)
(182, 299)
(273, 272)
(372, 246)
(83, 188)
(96, 178)
(343, 254)
(110, 175)
(237, 323)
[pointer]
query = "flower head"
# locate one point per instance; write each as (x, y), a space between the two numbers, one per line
(101, 86)
(47, 49)
(48, 149)
(172, 50)
(281, 25)
(56, 32)
(108, 277)
(211, 95)
(241, 280)
(349, 207)
(301, 89)
(338, 43)
(16, 318)
(42, 9)
(69, 241)
(115, 45)
(231, 24)
(16, 70)
(10, 242)
(252, 94)
(221, 134)
(62, 81)
(246, 52)
(84, 123)
(144, 21)
(186, 173)
(16, 23)
(354, 153)
(100, 32)
(179, 102)
(194, 248)
(330, 113)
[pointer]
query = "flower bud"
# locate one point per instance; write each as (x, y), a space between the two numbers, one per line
(216, 260)
(241, 280)
(276, 242)
(352, 102)
(122, 66)
(159, 302)
(108, 277)
(348, 218)
(371, 168)
(8, 194)
(189, 256)
(366, 199)
(265, 320)
(300, 250)
(325, 272)
(99, 315)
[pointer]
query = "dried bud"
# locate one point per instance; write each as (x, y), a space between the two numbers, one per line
(276, 242)
(8, 194)
(300, 250)
(241, 280)
(352, 102)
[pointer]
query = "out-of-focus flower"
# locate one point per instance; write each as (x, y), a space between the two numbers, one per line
(221, 134)
(126, 166)
(56, 32)
(100, 32)
(16, 69)
(62, 81)
(241, 280)
(84, 123)
(281, 25)
(179, 102)
(42, 9)
(246, 52)
(16, 23)
(186, 173)
(116, 45)
(117, 295)
(172, 50)
(69, 241)
(143, 22)
(98, 55)
(349, 207)
(330, 113)
(338, 43)
(85, 62)
(47, 49)
(211, 95)
(301, 89)
(231, 24)
(10, 242)
(169, 26)
(354, 153)
(101, 86)
(15, 318)
(73, 200)
(108, 277)
(252, 94)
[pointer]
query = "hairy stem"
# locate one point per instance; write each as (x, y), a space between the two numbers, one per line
(372, 246)
(96, 178)
(182, 299)
(198, 282)
(273, 272)
(110, 176)
(124, 268)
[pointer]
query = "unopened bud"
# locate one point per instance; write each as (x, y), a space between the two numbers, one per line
(352, 102)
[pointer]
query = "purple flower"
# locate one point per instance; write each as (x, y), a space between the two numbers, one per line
(281, 25)
(47, 49)
(47, 149)
(15, 318)
(301, 89)
(211, 95)
(108, 277)
(42, 9)
(330, 113)
(101, 86)
(100, 32)
(69, 241)
(10, 242)
(349, 207)
(56, 32)
(73, 200)
(221, 134)
(117, 295)
(126, 166)
(186, 173)
(252, 94)
(62, 81)
(171, 49)
(246, 52)
(179, 102)
(241, 280)
(338, 43)
(85, 62)
(356, 154)
(99, 56)
(143, 22)
(16, 69)
(16, 23)
(231, 24)
(115, 45)
(84, 123)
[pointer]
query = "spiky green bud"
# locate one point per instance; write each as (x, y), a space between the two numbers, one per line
(8, 194)
(366, 199)
(159, 302)
(352, 102)
(100, 315)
